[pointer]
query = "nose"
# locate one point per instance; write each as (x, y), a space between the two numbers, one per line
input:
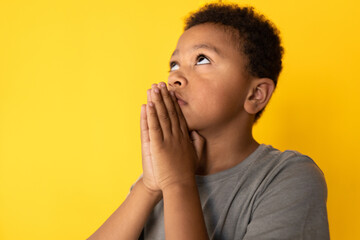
(177, 80)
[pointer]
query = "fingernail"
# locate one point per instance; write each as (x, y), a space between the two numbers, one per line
(172, 93)
(156, 90)
(162, 84)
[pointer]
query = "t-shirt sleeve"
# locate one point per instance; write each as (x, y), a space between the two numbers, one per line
(293, 205)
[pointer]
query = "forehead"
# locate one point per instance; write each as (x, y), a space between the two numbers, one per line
(207, 35)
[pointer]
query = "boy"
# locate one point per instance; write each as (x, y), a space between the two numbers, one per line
(204, 175)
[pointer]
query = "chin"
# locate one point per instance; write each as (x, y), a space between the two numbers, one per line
(193, 127)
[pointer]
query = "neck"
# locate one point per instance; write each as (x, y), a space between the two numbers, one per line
(225, 147)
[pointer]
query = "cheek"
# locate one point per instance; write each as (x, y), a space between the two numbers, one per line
(211, 105)
(219, 103)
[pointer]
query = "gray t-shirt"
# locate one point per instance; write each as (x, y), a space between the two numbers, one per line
(269, 195)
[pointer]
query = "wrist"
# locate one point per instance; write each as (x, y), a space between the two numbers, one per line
(179, 186)
(156, 195)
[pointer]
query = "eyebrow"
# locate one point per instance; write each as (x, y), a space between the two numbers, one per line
(198, 46)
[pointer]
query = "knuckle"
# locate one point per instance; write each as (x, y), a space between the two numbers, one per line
(155, 97)
(166, 97)
(172, 113)
(164, 116)
(156, 127)
(152, 114)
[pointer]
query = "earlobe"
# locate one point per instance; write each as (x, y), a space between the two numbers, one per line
(259, 95)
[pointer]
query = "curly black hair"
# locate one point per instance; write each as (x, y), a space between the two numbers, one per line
(257, 38)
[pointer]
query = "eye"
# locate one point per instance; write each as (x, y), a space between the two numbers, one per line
(202, 59)
(173, 66)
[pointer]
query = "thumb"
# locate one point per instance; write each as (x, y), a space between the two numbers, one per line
(198, 142)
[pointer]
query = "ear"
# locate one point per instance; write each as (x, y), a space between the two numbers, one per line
(259, 94)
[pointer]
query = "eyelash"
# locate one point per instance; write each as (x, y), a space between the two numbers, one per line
(197, 58)
(202, 55)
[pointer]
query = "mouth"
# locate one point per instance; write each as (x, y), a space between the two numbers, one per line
(180, 100)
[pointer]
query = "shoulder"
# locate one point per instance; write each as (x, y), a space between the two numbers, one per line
(269, 170)
(287, 176)
(291, 197)
(301, 171)
(289, 166)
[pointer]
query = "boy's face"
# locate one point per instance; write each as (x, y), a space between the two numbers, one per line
(207, 72)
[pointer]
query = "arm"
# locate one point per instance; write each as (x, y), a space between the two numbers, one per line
(129, 219)
(183, 215)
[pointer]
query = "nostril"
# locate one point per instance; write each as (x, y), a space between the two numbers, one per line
(178, 83)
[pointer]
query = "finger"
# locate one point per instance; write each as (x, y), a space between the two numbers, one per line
(182, 120)
(162, 113)
(144, 133)
(170, 105)
(144, 128)
(155, 132)
(198, 142)
(148, 92)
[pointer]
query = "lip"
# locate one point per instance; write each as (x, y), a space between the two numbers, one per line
(180, 100)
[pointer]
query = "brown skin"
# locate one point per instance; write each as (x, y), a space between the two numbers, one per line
(129, 219)
(174, 162)
(221, 102)
(222, 99)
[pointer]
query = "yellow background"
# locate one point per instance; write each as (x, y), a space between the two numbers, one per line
(73, 75)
